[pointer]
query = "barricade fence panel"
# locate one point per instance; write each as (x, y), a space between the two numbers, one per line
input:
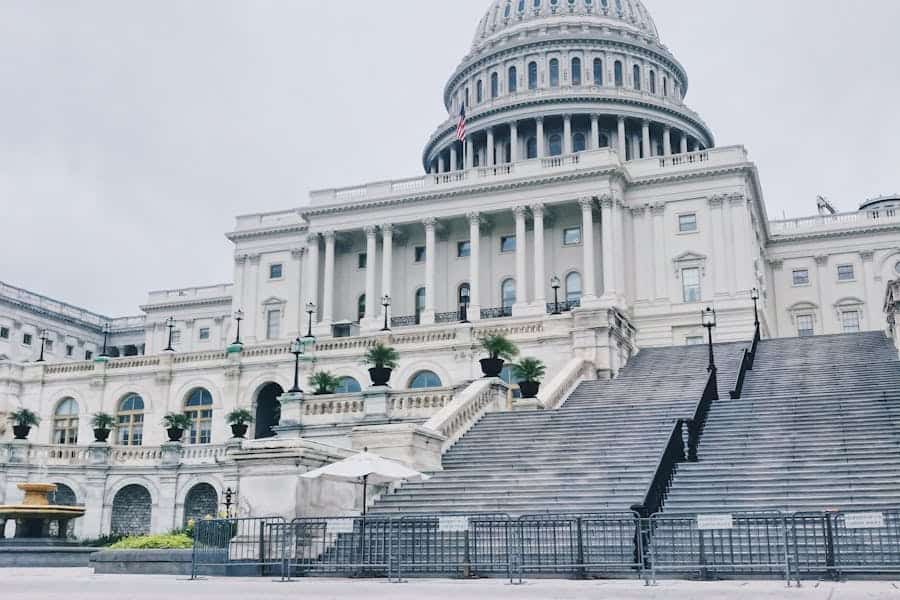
(866, 542)
(250, 546)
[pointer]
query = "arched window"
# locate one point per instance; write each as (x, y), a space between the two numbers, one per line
(578, 143)
(555, 144)
(521, 6)
(507, 295)
(201, 502)
(132, 509)
(513, 83)
(573, 288)
(598, 71)
(268, 410)
(617, 68)
(637, 77)
(479, 91)
(532, 76)
(665, 86)
(361, 308)
(603, 142)
(420, 304)
(652, 82)
(130, 421)
(467, 98)
(531, 148)
(424, 379)
(348, 385)
(463, 295)
(495, 86)
(198, 407)
(65, 422)
(576, 71)
(554, 72)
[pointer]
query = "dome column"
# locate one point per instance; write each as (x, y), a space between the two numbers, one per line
(521, 254)
(540, 297)
(684, 146)
(667, 141)
(595, 132)
(454, 165)
(514, 141)
(371, 255)
(387, 262)
(328, 292)
(587, 232)
(470, 152)
(623, 155)
(645, 137)
(567, 134)
(489, 154)
(540, 136)
(427, 317)
(441, 166)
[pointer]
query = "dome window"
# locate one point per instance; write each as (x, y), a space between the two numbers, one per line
(513, 81)
(555, 145)
(598, 72)
(619, 7)
(603, 142)
(618, 73)
(652, 82)
(554, 4)
(589, 5)
(554, 72)
(578, 143)
(479, 91)
(532, 76)
(521, 8)
(508, 10)
(665, 86)
(537, 5)
(637, 77)
(576, 71)
(531, 148)
(495, 86)
(571, 5)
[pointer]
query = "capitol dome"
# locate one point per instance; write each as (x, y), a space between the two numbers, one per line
(545, 78)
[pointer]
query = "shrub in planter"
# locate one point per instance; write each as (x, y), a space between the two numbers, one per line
(102, 423)
(529, 372)
(238, 419)
(176, 424)
(324, 383)
(499, 349)
(23, 420)
(382, 360)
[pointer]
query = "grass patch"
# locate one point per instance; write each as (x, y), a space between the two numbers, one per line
(167, 541)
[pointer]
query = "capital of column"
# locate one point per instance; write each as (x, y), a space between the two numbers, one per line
(539, 120)
(240, 259)
(716, 200)
(429, 223)
(867, 255)
(312, 238)
(537, 210)
(645, 123)
(370, 230)
(298, 252)
(586, 203)
(387, 229)
(736, 199)
(658, 208)
(621, 119)
(607, 201)
(821, 259)
(520, 211)
(254, 258)
(328, 235)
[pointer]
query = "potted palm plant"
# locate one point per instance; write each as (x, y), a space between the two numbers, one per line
(176, 424)
(499, 349)
(529, 372)
(382, 360)
(102, 423)
(238, 419)
(23, 420)
(324, 383)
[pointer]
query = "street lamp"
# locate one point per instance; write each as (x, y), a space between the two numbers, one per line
(754, 294)
(170, 323)
(708, 318)
(238, 317)
(386, 303)
(297, 351)
(229, 496)
(106, 330)
(45, 336)
(310, 309)
(555, 284)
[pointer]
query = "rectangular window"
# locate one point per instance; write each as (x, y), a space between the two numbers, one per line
(4, 333)
(463, 249)
(362, 260)
(690, 282)
(273, 324)
(26, 339)
(176, 338)
(419, 254)
(48, 345)
(276, 271)
(571, 236)
(801, 276)
(687, 223)
(508, 243)
(850, 321)
(88, 355)
(694, 340)
(204, 333)
(805, 326)
(70, 350)
(845, 273)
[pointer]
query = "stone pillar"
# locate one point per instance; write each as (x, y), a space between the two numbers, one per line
(328, 292)
(635, 146)
(295, 277)
(567, 134)
(489, 155)
(587, 232)
(387, 261)
(514, 141)
(427, 316)
(453, 160)
(645, 139)
(371, 255)
(595, 132)
(470, 152)
(540, 285)
(873, 318)
(474, 310)
(684, 146)
(521, 249)
(441, 167)
(311, 282)
(667, 141)
(252, 308)
(623, 155)
(540, 137)
(661, 289)
(606, 225)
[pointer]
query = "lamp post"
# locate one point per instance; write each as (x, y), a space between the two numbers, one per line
(555, 284)
(297, 351)
(238, 317)
(386, 303)
(45, 335)
(310, 309)
(229, 496)
(754, 294)
(708, 318)
(170, 323)
(106, 331)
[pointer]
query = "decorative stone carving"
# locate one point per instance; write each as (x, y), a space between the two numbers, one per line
(821, 259)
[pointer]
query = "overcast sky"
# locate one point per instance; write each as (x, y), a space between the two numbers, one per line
(132, 132)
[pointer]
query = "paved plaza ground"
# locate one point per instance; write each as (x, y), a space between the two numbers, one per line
(78, 584)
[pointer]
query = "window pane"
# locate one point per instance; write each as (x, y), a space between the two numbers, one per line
(576, 71)
(690, 280)
(598, 72)
(801, 277)
(694, 340)
(532, 76)
(420, 254)
(275, 271)
(513, 83)
(554, 73)
(463, 249)
(571, 236)
(508, 293)
(508, 243)
(845, 272)
(850, 321)
(687, 223)
(362, 260)
(573, 287)
(805, 325)
(273, 323)
(578, 143)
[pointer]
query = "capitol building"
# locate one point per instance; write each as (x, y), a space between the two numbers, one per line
(588, 215)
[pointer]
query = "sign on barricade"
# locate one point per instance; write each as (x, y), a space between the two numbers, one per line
(715, 522)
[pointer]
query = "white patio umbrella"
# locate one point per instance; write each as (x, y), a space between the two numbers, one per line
(366, 468)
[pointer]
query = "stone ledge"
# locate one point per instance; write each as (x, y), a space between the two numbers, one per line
(44, 556)
(142, 562)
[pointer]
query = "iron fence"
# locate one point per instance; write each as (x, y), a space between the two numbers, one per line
(246, 547)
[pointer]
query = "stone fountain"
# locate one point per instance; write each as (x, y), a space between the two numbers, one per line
(34, 516)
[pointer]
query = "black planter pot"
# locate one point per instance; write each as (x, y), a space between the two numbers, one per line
(491, 367)
(239, 430)
(175, 434)
(21, 431)
(101, 435)
(529, 389)
(380, 375)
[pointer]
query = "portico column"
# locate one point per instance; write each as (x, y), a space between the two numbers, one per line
(474, 309)
(623, 155)
(387, 260)
(453, 163)
(441, 168)
(684, 146)
(311, 281)
(606, 226)
(667, 141)
(540, 137)
(371, 255)
(252, 308)
(470, 153)
(514, 141)
(587, 230)
(328, 292)
(567, 134)
(645, 133)
(540, 285)
(295, 303)
(521, 249)
(428, 316)
(489, 158)
(595, 132)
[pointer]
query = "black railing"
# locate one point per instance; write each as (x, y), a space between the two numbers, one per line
(747, 359)
(448, 317)
(404, 321)
(565, 306)
(698, 423)
(756, 338)
(665, 472)
(496, 313)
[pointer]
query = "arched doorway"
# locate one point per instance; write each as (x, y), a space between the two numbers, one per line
(131, 511)
(201, 501)
(268, 410)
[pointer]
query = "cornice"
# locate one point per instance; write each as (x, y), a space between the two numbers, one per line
(249, 234)
(841, 233)
(49, 314)
(147, 308)
(684, 175)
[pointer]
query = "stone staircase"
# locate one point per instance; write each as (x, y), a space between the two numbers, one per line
(597, 452)
(817, 429)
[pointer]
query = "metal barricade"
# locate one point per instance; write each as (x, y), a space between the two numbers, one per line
(811, 543)
(745, 543)
(246, 547)
(348, 546)
(866, 542)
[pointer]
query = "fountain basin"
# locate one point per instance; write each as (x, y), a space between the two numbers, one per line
(35, 514)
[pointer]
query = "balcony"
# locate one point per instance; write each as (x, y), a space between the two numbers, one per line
(830, 223)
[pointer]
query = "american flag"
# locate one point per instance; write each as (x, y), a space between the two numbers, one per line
(461, 124)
